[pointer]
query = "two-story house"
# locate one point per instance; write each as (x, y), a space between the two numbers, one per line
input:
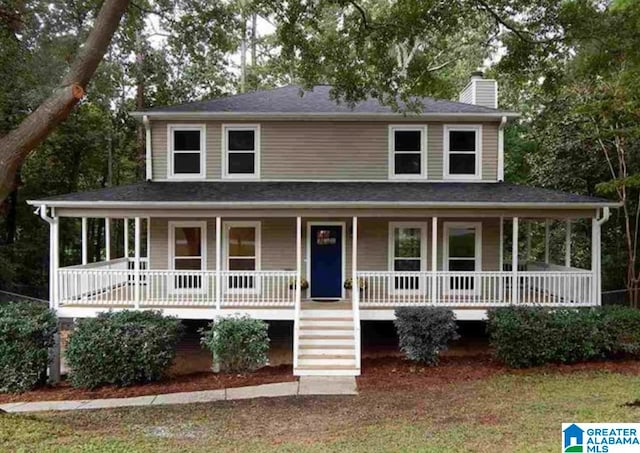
(285, 205)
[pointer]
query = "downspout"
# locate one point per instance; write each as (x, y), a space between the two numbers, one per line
(147, 128)
(42, 212)
(606, 213)
(503, 123)
(54, 365)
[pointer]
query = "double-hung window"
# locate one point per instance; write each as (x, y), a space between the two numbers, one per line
(241, 148)
(407, 247)
(186, 151)
(407, 151)
(242, 254)
(462, 151)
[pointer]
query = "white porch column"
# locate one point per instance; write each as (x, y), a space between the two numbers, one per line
(85, 256)
(298, 260)
(434, 260)
(546, 241)
(527, 256)
(514, 263)
(298, 297)
(54, 293)
(136, 263)
(54, 260)
(567, 245)
(595, 261)
(107, 239)
(502, 281)
(355, 289)
(218, 263)
(126, 237)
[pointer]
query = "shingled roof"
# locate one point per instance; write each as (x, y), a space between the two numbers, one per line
(238, 193)
(293, 99)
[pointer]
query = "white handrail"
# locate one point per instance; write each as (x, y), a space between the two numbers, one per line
(476, 289)
(180, 288)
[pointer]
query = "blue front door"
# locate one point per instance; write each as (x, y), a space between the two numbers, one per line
(326, 261)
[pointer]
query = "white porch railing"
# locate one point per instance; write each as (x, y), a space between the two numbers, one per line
(476, 289)
(114, 284)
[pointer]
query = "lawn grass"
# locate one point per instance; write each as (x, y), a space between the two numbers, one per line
(506, 412)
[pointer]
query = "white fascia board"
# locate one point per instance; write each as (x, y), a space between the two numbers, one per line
(345, 116)
(312, 205)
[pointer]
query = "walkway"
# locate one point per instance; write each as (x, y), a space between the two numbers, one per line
(307, 385)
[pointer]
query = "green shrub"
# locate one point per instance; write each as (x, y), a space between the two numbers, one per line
(531, 336)
(425, 331)
(26, 334)
(521, 336)
(624, 326)
(238, 344)
(122, 348)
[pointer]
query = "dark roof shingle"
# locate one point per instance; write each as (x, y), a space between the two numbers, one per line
(329, 192)
(293, 99)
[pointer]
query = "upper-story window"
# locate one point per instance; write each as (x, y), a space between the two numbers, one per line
(407, 152)
(241, 151)
(462, 152)
(186, 150)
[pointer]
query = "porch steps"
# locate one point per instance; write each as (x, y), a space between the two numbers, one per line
(326, 342)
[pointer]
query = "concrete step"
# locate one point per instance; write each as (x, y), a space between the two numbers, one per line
(326, 356)
(309, 323)
(328, 318)
(327, 349)
(322, 340)
(321, 332)
(327, 363)
(325, 313)
(323, 370)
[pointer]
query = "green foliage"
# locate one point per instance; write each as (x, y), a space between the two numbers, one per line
(26, 334)
(531, 336)
(624, 324)
(424, 332)
(122, 348)
(239, 344)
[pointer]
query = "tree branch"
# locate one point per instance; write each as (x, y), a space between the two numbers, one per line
(19, 142)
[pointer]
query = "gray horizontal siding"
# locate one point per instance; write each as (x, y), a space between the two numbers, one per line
(279, 243)
(317, 150)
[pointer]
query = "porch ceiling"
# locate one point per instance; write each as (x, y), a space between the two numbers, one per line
(286, 194)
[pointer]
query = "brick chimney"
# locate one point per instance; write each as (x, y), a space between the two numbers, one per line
(480, 91)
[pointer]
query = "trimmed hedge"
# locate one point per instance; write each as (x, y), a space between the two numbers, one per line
(26, 333)
(122, 348)
(239, 344)
(530, 336)
(424, 332)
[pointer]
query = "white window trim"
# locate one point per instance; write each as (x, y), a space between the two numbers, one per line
(171, 128)
(257, 150)
(226, 226)
(172, 252)
(445, 151)
(447, 227)
(391, 254)
(343, 252)
(423, 151)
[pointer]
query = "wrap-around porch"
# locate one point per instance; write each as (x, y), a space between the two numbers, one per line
(433, 261)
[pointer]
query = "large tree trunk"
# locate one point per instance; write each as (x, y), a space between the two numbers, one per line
(17, 144)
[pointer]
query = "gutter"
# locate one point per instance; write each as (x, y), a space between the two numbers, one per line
(348, 116)
(315, 205)
(503, 123)
(148, 154)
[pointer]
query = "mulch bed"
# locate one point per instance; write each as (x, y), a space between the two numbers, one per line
(183, 383)
(392, 373)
